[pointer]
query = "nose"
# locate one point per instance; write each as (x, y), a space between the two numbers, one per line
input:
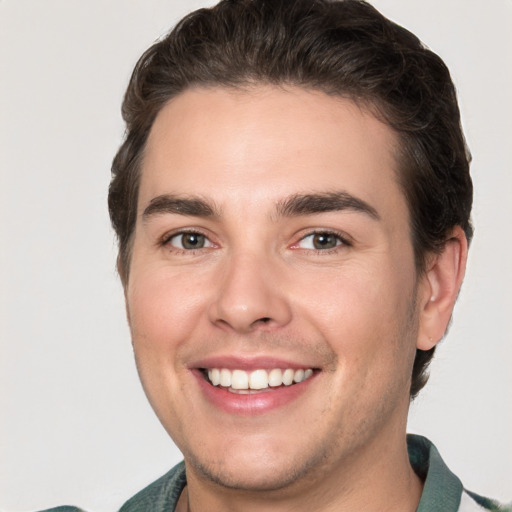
(249, 296)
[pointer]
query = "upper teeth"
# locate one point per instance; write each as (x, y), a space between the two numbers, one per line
(257, 379)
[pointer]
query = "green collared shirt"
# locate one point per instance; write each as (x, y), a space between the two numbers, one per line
(442, 492)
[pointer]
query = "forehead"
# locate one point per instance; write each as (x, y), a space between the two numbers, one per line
(266, 142)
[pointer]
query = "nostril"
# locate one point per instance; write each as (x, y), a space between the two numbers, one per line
(260, 322)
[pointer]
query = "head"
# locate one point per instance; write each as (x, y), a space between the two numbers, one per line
(292, 195)
(345, 49)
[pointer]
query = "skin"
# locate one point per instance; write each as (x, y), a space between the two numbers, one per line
(355, 312)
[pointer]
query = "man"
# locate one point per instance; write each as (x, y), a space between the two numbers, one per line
(292, 203)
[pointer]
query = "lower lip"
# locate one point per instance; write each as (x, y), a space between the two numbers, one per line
(254, 403)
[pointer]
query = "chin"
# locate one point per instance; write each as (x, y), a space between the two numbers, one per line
(260, 479)
(256, 471)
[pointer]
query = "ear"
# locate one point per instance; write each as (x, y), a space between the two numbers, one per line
(439, 289)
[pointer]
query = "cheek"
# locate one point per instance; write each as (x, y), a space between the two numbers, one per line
(348, 299)
(163, 315)
(164, 309)
(364, 315)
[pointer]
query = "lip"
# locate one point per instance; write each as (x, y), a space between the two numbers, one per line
(258, 403)
(248, 363)
(250, 404)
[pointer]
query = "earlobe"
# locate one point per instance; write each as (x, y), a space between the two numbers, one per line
(441, 284)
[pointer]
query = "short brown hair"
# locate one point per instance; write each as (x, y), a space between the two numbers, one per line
(342, 47)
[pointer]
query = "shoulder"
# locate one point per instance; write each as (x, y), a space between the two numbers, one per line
(63, 509)
(471, 502)
(162, 495)
(442, 489)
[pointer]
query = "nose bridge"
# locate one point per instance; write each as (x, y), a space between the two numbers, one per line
(248, 295)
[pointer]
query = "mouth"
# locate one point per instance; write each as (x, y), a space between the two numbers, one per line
(249, 386)
(261, 380)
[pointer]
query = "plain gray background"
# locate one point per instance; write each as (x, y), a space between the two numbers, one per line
(75, 427)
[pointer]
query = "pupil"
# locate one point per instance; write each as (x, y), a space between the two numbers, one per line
(324, 241)
(193, 241)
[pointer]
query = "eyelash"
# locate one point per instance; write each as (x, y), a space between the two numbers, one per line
(166, 239)
(341, 237)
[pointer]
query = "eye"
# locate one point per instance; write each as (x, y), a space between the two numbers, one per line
(320, 241)
(189, 241)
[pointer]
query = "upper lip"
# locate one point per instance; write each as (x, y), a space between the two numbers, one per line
(249, 363)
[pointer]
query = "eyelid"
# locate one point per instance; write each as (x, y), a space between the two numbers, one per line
(164, 241)
(341, 236)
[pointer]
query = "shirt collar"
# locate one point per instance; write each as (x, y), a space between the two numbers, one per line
(442, 489)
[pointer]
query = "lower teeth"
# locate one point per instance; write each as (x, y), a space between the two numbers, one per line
(252, 391)
(247, 391)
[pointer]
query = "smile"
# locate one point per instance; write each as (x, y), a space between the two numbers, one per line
(240, 381)
(252, 386)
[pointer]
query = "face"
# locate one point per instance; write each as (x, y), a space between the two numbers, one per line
(272, 284)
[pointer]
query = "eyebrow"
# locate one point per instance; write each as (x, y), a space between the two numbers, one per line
(193, 206)
(308, 204)
(293, 206)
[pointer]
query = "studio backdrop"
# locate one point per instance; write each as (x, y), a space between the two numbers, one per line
(75, 427)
